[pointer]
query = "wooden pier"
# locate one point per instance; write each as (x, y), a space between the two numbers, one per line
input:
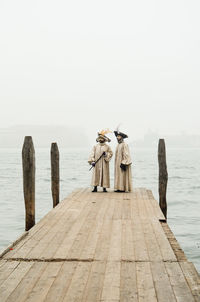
(99, 247)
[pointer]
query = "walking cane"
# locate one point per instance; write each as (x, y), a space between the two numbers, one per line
(97, 160)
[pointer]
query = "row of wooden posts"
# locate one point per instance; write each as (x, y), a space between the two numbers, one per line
(28, 162)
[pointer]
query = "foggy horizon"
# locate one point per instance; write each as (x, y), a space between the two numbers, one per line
(95, 65)
(76, 137)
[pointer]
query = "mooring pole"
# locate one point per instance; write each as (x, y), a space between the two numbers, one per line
(28, 162)
(163, 176)
(55, 175)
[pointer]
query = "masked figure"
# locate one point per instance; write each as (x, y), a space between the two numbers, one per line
(99, 159)
(123, 175)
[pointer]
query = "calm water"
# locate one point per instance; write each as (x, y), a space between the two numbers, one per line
(183, 189)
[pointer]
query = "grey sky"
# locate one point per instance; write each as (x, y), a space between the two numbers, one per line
(96, 64)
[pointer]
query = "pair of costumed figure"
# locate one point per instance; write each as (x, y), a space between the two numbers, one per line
(99, 159)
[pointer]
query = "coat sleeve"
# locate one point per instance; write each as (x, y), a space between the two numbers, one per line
(109, 154)
(126, 157)
(92, 156)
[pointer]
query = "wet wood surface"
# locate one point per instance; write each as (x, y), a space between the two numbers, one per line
(99, 247)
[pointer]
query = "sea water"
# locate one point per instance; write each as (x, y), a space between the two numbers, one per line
(183, 194)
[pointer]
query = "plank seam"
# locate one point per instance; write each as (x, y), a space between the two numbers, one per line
(87, 260)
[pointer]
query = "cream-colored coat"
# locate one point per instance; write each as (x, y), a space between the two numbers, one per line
(101, 174)
(123, 179)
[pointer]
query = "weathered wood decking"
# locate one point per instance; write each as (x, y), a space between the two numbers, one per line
(99, 247)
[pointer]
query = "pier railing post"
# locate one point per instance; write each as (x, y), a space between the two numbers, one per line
(28, 162)
(55, 175)
(163, 176)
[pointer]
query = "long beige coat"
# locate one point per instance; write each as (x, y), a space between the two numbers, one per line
(101, 174)
(123, 179)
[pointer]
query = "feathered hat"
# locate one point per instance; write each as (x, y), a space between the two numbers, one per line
(117, 132)
(102, 135)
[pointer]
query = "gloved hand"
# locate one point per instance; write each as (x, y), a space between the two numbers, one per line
(104, 153)
(123, 167)
(93, 164)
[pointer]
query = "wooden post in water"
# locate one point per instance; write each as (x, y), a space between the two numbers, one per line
(163, 176)
(55, 175)
(28, 162)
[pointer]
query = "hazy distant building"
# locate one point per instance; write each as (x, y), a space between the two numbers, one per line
(43, 136)
(173, 141)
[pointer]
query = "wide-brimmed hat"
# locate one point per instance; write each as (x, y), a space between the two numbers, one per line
(121, 134)
(102, 133)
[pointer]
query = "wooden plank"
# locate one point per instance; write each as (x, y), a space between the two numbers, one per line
(41, 243)
(127, 245)
(27, 283)
(103, 243)
(6, 269)
(118, 208)
(95, 281)
(62, 282)
(115, 242)
(111, 285)
(65, 246)
(76, 289)
(128, 284)
(140, 248)
(41, 288)
(88, 250)
(141, 205)
(56, 211)
(173, 242)
(48, 246)
(153, 247)
(134, 207)
(38, 231)
(12, 246)
(145, 285)
(113, 249)
(165, 247)
(60, 213)
(82, 235)
(34, 247)
(126, 207)
(2, 262)
(162, 283)
(157, 211)
(110, 213)
(13, 280)
(192, 277)
(178, 282)
(148, 205)
(139, 244)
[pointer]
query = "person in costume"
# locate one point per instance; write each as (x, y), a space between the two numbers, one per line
(99, 158)
(123, 175)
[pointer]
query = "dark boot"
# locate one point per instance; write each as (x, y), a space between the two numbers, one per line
(104, 190)
(95, 189)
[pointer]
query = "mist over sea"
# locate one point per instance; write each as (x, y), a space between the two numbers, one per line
(183, 194)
